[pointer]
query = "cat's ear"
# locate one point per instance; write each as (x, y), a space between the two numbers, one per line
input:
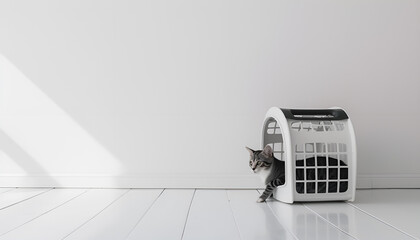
(251, 152)
(268, 151)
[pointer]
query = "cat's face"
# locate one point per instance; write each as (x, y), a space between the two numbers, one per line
(260, 159)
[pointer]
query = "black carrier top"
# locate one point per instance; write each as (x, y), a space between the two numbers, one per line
(314, 114)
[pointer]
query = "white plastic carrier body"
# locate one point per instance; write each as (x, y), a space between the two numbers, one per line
(318, 147)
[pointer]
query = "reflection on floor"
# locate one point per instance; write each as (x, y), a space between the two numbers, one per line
(202, 214)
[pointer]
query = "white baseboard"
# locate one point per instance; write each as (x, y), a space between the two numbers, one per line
(388, 181)
(185, 181)
(182, 181)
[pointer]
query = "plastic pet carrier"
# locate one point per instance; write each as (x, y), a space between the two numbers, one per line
(318, 147)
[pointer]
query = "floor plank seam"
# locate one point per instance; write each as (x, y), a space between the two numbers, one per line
(188, 214)
(52, 209)
(330, 223)
(287, 229)
(234, 218)
(95, 215)
(382, 221)
(13, 204)
(144, 214)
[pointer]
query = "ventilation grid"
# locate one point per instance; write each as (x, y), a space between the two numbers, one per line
(317, 126)
(321, 168)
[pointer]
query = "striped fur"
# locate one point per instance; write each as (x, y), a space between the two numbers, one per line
(269, 168)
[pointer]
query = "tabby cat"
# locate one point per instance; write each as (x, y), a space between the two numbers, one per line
(270, 169)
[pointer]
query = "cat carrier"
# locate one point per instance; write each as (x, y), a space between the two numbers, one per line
(318, 147)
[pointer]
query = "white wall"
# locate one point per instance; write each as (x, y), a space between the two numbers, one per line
(167, 93)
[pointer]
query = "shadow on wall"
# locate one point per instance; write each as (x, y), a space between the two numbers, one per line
(14, 160)
(39, 139)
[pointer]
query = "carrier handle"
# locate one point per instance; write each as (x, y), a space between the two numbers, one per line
(315, 114)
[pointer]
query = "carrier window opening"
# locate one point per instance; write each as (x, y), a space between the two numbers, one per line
(274, 138)
(321, 168)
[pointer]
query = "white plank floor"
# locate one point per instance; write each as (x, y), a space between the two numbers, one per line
(190, 214)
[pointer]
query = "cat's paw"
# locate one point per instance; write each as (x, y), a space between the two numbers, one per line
(260, 200)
